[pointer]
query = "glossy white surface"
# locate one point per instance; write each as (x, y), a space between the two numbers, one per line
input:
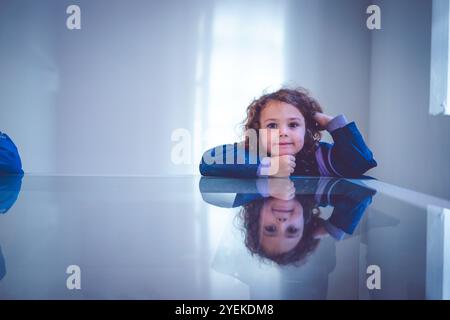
(155, 238)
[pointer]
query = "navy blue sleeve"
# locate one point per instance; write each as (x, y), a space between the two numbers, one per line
(231, 160)
(350, 202)
(229, 193)
(349, 156)
(10, 162)
(243, 199)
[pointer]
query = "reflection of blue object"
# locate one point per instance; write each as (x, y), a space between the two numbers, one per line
(2, 265)
(9, 156)
(349, 200)
(9, 191)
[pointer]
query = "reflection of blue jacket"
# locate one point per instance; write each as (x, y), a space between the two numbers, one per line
(2, 265)
(349, 200)
(9, 156)
(349, 156)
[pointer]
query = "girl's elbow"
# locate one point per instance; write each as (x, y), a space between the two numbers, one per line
(361, 166)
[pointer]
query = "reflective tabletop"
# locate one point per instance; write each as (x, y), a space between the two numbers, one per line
(186, 237)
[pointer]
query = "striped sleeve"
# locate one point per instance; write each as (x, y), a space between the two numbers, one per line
(231, 160)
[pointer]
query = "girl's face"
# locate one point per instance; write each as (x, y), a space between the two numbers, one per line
(281, 225)
(285, 129)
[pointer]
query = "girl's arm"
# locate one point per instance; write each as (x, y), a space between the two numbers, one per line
(230, 160)
(230, 193)
(236, 161)
(349, 156)
(349, 202)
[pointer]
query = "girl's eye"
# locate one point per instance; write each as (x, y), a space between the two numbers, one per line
(272, 126)
(270, 228)
(292, 230)
(294, 124)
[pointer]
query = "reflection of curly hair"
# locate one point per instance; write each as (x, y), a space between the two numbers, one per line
(250, 218)
(299, 98)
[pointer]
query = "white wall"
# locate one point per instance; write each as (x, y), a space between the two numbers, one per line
(328, 51)
(411, 146)
(29, 81)
(100, 100)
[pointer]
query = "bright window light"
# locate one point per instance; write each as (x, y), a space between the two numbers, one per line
(246, 58)
(440, 59)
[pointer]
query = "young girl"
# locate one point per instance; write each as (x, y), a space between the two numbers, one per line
(287, 125)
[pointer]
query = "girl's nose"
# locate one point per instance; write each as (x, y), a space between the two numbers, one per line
(282, 219)
(283, 131)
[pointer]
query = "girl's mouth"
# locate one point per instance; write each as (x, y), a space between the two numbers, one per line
(285, 144)
(283, 210)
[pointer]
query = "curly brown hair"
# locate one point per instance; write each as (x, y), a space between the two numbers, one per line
(250, 223)
(299, 98)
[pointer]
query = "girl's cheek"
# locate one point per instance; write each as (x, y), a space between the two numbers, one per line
(269, 136)
(301, 136)
(300, 140)
(274, 136)
(265, 140)
(266, 145)
(301, 144)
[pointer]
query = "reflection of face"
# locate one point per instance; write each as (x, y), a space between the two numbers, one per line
(285, 128)
(281, 225)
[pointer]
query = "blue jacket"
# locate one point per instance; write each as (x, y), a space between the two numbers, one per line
(10, 162)
(348, 156)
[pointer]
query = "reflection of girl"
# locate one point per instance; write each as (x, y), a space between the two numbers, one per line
(287, 124)
(289, 209)
(284, 231)
(286, 227)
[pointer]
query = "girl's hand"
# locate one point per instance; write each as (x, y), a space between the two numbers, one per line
(282, 189)
(322, 120)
